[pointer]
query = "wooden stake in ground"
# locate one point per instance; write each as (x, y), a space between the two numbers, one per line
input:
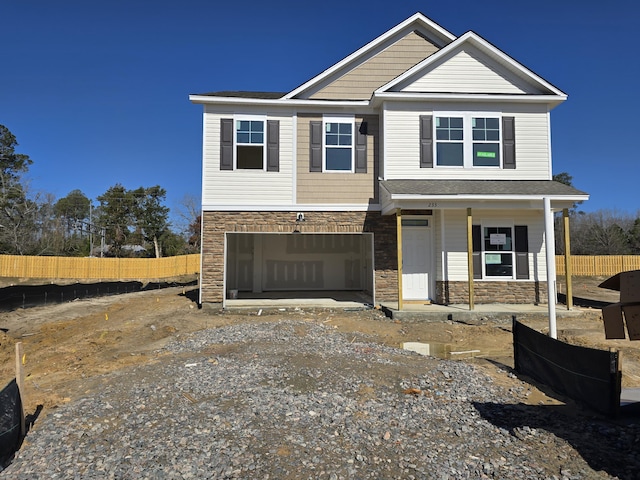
(20, 382)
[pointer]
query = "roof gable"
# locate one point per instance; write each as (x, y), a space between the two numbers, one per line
(389, 55)
(471, 65)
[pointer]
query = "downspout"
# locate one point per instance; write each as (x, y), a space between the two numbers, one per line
(549, 243)
(399, 255)
(567, 259)
(470, 256)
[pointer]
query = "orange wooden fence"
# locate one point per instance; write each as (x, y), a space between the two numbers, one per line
(94, 268)
(598, 265)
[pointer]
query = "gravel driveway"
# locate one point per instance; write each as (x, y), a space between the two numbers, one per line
(297, 399)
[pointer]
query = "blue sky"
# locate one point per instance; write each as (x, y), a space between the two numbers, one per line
(96, 92)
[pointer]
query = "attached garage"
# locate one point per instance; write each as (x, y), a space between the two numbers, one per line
(263, 265)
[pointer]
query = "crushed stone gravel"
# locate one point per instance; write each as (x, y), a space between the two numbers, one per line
(296, 399)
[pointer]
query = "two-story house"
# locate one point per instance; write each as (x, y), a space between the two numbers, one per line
(418, 168)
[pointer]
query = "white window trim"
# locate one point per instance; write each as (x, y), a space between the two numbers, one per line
(499, 224)
(261, 118)
(338, 119)
(467, 133)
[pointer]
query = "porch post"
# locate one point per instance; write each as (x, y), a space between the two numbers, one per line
(470, 255)
(549, 244)
(399, 248)
(567, 259)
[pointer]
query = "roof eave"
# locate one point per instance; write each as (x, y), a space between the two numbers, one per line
(482, 197)
(551, 100)
(283, 102)
(410, 201)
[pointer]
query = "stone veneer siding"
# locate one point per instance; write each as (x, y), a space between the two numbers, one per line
(490, 291)
(216, 224)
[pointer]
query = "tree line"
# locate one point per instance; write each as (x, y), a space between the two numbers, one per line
(602, 232)
(123, 223)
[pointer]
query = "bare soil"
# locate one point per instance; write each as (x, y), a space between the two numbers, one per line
(68, 346)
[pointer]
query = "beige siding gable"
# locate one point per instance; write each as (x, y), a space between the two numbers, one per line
(359, 82)
(467, 70)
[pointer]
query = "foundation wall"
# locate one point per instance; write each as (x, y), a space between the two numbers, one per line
(491, 292)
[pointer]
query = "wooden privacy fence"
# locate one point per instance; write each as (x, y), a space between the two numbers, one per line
(94, 268)
(597, 265)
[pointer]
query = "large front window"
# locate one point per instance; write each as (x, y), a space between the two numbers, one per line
(467, 140)
(249, 144)
(498, 251)
(338, 145)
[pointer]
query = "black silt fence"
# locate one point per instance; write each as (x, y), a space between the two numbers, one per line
(10, 422)
(586, 375)
(24, 296)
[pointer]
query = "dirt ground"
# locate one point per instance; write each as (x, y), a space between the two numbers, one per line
(67, 346)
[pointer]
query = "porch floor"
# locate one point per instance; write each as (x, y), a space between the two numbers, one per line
(411, 311)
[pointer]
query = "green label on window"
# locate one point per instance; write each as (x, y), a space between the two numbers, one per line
(493, 259)
(486, 154)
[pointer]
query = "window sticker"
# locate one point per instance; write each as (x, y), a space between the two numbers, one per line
(492, 258)
(498, 239)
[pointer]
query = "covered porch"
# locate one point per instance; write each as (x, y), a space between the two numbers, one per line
(492, 234)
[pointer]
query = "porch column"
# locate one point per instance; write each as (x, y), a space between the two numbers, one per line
(399, 248)
(470, 256)
(567, 259)
(549, 244)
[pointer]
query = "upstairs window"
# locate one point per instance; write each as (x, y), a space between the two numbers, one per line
(486, 141)
(250, 144)
(338, 144)
(466, 140)
(449, 141)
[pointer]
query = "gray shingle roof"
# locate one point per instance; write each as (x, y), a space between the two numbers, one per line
(479, 187)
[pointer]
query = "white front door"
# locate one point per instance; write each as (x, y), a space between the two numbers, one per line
(416, 259)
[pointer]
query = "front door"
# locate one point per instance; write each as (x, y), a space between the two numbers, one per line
(416, 259)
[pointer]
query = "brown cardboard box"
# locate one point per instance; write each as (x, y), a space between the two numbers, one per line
(627, 312)
(630, 286)
(627, 283)
(632, 319)
(613, 322)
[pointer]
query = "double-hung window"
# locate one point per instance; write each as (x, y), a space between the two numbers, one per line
(498, 251)
(249, 137)
(486, 141)
(467, 140)
(450, 141)
(338, 144)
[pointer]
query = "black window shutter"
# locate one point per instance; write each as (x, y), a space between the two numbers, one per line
(273, 146)
(476, 239)
(226, 144)
(361, 148)
(508, 142)
(522, 251)
(315, 143)
(426, 141)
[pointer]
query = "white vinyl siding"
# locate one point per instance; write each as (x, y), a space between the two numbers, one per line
(469, 71)
(246, 187)
(402, 144)
(454, 254)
